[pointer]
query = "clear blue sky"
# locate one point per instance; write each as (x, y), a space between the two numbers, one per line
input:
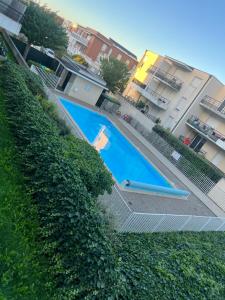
(189, 30)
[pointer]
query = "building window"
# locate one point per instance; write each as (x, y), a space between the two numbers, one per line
(104, 47)
(119, 56)
(181, 104)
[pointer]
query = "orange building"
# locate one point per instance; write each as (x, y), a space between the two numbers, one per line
(94, 46)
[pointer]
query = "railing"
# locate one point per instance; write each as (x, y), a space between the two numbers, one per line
(202, 181)
(11, 12)
(79, 38)
(48, 78)
(126, 220)
(207, 131)
(213, 104)
(134, 104)
(152, 96)
(166, 77)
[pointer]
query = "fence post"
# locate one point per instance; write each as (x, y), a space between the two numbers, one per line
(185, 223)
(157, 225)
(123, 226)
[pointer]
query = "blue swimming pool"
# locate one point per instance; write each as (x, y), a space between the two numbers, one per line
(120, 156)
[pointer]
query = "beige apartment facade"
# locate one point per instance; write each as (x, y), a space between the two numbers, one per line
(204, 123)
(187, 101)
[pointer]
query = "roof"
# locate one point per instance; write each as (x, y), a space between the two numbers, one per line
(123, 48)
(108, 41)
(82, 71)
(180, 64)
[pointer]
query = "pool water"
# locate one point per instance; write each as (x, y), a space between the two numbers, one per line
(120, 156)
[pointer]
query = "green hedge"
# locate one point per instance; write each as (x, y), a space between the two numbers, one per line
(198, 161)
(78, 241)
(179, 266)
(23, 272)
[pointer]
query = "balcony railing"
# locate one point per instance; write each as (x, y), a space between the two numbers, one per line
(207, 131)
(14, 11)
(152, 96)
(167, 78)
(214, 105)
(80, 38)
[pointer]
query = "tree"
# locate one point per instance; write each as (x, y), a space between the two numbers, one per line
(80, 59)
(41, 27)
(115, 73)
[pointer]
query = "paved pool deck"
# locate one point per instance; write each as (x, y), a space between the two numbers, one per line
(197, 203)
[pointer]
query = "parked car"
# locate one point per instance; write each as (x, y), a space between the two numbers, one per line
(49, 52)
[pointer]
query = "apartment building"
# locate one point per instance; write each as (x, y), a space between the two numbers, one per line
(204, 123)
(187, 101)
(11, 15)
(93, 46)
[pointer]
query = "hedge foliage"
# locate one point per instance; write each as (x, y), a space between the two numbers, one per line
(23, 273)
(198, 161)
(77, 240)
(164, 266)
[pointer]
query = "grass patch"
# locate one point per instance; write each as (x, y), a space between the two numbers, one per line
(22, 273)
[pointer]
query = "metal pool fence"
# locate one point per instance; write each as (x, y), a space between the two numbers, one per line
(203, 182)
(126, 220)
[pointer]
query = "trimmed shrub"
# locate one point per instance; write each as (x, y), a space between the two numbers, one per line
(91, 168)
(198, 161)
(77, 240)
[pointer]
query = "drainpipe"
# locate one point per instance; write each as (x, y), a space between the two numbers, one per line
(192, 103)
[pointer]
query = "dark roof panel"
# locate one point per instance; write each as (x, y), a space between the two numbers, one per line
(77, 68)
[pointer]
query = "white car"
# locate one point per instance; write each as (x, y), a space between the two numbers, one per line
(49, 52)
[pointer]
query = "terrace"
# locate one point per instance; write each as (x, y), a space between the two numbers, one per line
(214, 106)
(168, 79)
(205, 130)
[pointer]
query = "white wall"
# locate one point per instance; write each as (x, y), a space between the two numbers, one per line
(217, 194)
(127, 109)
(83, 90)
(9, 24)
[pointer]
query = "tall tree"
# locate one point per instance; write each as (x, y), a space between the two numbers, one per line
(115, 73)
(42, 28)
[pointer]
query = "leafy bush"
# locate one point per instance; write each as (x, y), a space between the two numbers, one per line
(77, 240)
(198, 161)
(91, 168)
(23, 272)
(173, 265)
(51, 110)
(32, 80)
(140, 104)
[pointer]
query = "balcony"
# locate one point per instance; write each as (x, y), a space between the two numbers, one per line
(11, 15)
(207, 131)
(80, 39)
(214, 106)
(152, 96)
(166, 78)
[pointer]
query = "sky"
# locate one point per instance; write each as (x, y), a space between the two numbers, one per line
(192, 31)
